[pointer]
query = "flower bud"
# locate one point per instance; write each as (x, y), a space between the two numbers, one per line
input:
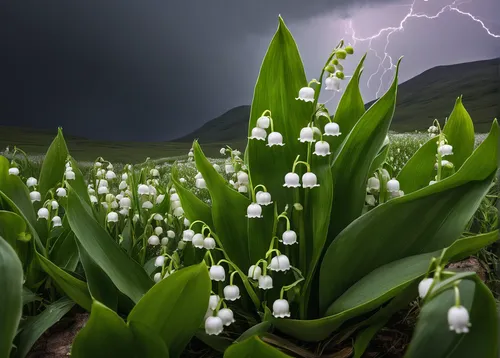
(349, 49)
(341, 54)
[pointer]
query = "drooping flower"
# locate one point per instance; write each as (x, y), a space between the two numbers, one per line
(279, 263)
(147, 205)
(213, 325)
(424, 286)
(209, 243)
(281, 308)
(143, 189)
(321, 148)
(13, 171)
(112, 217)
(306, 135)
(263, 198)
(263, 122)
(373, 185)
(187, 235)
(254, 272)
(35, 196)
(275, 138)
(309, 180)
(254, 210)
(306, 94)
(154, 240)
(160, 261)
(458, 319)
(170, 234)
(125, 203)
(56, 221)
(213, 301)
(445, 150)
(242, 189)
(227, 316)
(217, 273)
(332, 129)
(164, 241)
(54, 204)
(289, 237)
(332, 83)
(229, 168)
(31, 182)
(61, 192)
(231, 292)
(70, 175)
(292, 180)
(242, 177)
(160, 198)
(157, 277)
(393, 186)
(43, 213)
(198, 241)
(258, 133)
(200, 183)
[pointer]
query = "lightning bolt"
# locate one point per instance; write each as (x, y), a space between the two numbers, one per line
(386, 62)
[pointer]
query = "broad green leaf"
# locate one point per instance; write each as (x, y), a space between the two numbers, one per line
(228, 211)
(258, 329)
(11, 282)
(35, 326)
(107, 335)
(350, 169)
(53, 166)
(64, 253)
(379, 159)
(391, 232)
(175, 307)
(100, 286)
(463, 248)
(127, 275)
(280, 78)
(459, 131)
(12, 227)
(74, 288)
(253, 347)
(217, 343)
(351, 106)
(433, 338)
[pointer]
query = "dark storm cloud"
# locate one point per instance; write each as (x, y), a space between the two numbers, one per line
(133, 69)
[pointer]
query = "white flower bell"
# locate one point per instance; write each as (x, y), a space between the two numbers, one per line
(102, 190)
(93, 199)
(160, 261)
(112, 217)
(157, 217)
(254, 210)
(110, 175)
(164, 241)
(254, 272)
(175, 204)
(332, 83)
(263, 198)
(35, 196)
(242, 178)
(125, 203)
(187, 235)
(231, 292)
(275, 138)
(157, 277)
(306, 135)
(445, 150)
(289, 237)
(70, 175)
(186, 222)
(213, 301)
(154, 240)
(54, 204)
(258, 133)
(198, 241)
(306, 94)
(13, 171)
(458, 319)
(31, 182)
(209, 243)
(393, 186)
(332, 129)
(174, 197)
(143, 189)
(56, 221)
(200, 183)
(424, 286)
(373, 185)
(281, 308)
(279, 263)
(147, 205)
(227, 316)
(170, 234)
(242, 189)
(158, 230)
(61, 192)
(322, 148)
(309, 180)
(292, 180)
(217, 273)
(213, 325)
(123, 185)
(160, 198)
(43, 213)
(265, 282)
(229, 168)
(263, 122)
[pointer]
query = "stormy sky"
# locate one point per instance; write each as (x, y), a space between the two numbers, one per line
(152, 70)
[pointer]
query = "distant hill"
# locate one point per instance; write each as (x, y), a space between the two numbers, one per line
(421, 99)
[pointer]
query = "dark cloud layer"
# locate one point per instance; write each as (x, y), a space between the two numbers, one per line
(145, 70)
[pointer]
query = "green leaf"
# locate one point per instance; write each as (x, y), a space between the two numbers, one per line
(64, 253)
(53, 166)
(459, 131)
(175, 307)
(433, 338)
(280, 78)
(257, 330)
(74, 288)
(12, 227)
(11, 282)
(100, 286)
(429, 219)
(107, 335)
(379, 159)
(29, 296)
(253, 347)
(468, 246)
(228, 211)
(350, 169)
(127, 275)
(35, 326)
(351, 106)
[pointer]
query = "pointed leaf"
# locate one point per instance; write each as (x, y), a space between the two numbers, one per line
(53, 165)
(12, 227)
(253, 347)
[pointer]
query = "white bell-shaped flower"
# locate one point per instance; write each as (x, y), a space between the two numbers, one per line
(157, 277)
(289, 237)
(217, 273)
(143, 189)
(216, 167)
(102, 190)
(258, 133)
(201, 184)
(229, 168)
(110, 175)
(275, 138)
(93, 199)
(370, 200)
(110, 166)
(198, 241)
(306, 135)
(43, 213)
(445, 150)
(231, 292)
(242, 189)
(56, 221)
(332, 83)
(265, 282)
(186, 222)
(157, 217)
(154, 172)
(174, 197)
(254, 272)
(170, 234)
(226, 315)
(181, 245)
(458, 319)
(61, 192)
(31, 182)
(187, 235)
(397, 194)
(160, 198)
(124, 211)
(242, 177)
(114, 205)
(123, 185)
(322, 148)
(70, 175)
(263, 198)
(112, 217)
(263, 122)
(175, 204)
(54, 204)
(254, 210)
(424, 286)
(213, 326)
(102, 182)
(279, 263)
(125, 203)
(332, 129)
(35, 196)
(104, 205)
(306, 94)
(160, 261)
(209, 243)
(124, 176)
(393, 186)
(97, 164)
(281, 308)
(213, 301)
(154, 240)
(119, 197)
(147, 205)
(164, 241)
(152, 190)
(13, 171)
(178, 212)
(309, 180)
(292, 180)
(373, 185)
